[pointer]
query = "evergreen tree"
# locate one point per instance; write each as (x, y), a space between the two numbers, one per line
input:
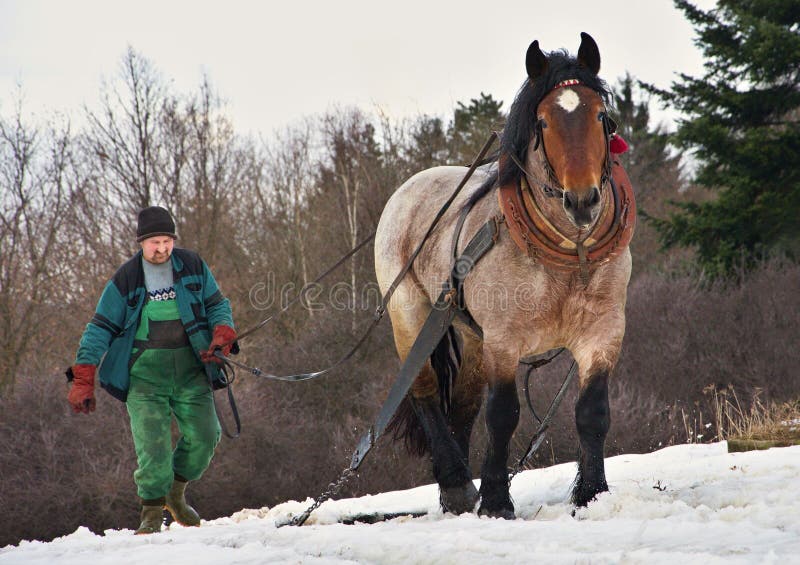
(427, 146)
(472, 123)
(653, 166)
(742, 125)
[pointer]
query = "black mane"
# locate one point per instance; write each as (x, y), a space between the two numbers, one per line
(521, 120)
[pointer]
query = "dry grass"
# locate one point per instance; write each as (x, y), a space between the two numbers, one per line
(759, 425)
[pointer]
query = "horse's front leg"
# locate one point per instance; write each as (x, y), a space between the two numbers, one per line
(596, 356)
(592, 418)
(502, 416)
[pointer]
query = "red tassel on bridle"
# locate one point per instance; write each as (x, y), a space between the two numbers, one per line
(617, 144)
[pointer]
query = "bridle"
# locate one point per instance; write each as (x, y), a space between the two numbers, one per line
(553, 188)
(534, 234)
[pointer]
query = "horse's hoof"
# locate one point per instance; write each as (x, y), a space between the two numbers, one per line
(583, 495)
(495, 500)
(503, 513)
(460, 499)
(498, 506)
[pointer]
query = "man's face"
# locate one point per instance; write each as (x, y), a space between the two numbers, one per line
(157, 249)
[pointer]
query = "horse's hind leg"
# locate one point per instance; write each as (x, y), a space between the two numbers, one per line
(457, 492)
(502, 416)
(468, 393)
(455, 495)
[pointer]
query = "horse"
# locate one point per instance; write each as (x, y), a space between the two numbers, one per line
(525, 296)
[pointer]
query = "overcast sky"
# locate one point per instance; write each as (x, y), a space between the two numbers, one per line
(275, 62)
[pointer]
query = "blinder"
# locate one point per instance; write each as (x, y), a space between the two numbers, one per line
(609, 130)
(609, 125)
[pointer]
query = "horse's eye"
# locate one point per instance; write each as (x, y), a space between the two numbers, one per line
(542, 123)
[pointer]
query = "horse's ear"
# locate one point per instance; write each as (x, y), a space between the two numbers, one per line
(535, 61)
(589, 54)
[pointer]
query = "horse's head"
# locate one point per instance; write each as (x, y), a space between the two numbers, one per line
(562, 127)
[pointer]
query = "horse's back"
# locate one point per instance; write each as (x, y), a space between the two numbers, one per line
(411, 210)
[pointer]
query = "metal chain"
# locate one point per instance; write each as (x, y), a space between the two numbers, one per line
(538, 437)
(333, 490)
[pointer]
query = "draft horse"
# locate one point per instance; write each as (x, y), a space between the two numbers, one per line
(556, 276)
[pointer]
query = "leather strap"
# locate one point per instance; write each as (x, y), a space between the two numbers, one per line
(534, 234)
(480, 243)
(432, 331)
(436, 325)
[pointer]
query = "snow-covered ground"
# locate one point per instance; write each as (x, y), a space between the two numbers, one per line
(683, 504)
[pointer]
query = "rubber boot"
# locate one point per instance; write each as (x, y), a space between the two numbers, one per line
(181, 512)
(152, 518)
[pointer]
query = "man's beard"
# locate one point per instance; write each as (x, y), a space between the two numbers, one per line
(160, 258)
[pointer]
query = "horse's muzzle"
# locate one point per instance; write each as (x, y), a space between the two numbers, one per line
(582, 210)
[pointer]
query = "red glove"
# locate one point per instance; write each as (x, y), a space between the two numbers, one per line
(81, 393)
(223, 339)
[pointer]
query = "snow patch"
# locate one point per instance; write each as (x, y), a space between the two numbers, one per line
(687, 504)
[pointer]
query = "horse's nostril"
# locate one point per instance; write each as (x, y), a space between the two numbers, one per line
(594, 196)
(570, 201)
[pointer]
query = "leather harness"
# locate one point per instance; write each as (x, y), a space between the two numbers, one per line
(532, 233)
(539, 239)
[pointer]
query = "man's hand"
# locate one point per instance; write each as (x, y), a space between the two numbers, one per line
(81, 393)
(223, 339)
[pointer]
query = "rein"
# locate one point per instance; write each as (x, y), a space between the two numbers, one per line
(228, 364)
(548, 190)
(231, 363)
(307, 286)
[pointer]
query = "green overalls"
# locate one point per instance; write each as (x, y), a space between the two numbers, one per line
(167, 378)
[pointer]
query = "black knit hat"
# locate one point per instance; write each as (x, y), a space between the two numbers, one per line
(154, 221)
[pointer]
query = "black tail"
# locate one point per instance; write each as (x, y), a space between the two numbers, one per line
(446, 360)
(406, 426)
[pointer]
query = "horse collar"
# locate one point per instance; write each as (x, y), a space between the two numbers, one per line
(538, 238)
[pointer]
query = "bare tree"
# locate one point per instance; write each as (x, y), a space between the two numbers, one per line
(175, 142)
(215, 163)
(290, 171)
(35, 195)
(123, 136)
(349, 170)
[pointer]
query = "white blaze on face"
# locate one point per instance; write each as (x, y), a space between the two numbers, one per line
(568, 100)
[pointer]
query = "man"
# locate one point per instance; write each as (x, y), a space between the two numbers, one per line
(153, 336)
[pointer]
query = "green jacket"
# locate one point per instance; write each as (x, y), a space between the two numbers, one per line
(108, 338)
